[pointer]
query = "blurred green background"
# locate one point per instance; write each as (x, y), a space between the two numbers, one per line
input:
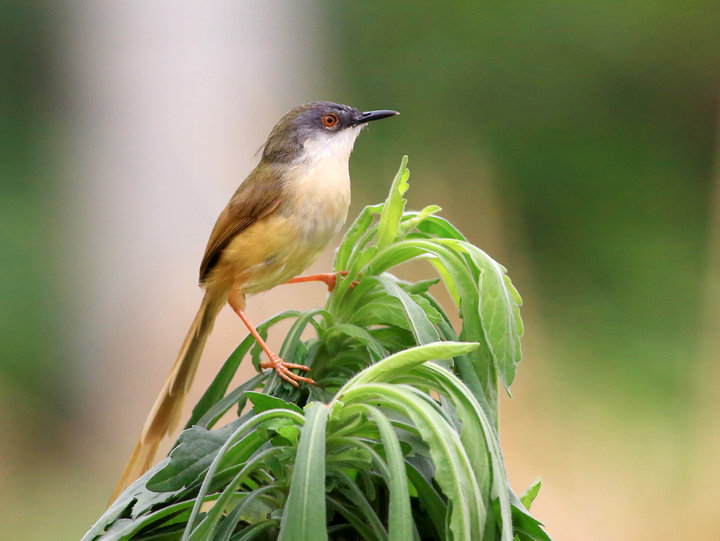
(576, 142)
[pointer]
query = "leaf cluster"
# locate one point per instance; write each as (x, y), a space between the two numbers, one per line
(398, 440)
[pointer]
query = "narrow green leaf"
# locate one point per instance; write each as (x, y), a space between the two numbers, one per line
(404, 360)
(399, 513)
(251, 510)
(206, 529)
(442, 321)
(454, 473)
(356, 520)
(125, 528)
(531, 493)
(499, 311)
(293, 347)
(393, 339)
(367, 290)
(360, 335)
(422, 328)
(460, 280)
(421, 286)
(359, 498)
(383, 311)
(447, 278)
(337, 301)
(165, 534)
(468, 413)
(234, 437)
(431, 500)
(526, 526)
(412, 219)
(440, 227)
(240, 452)
(292, 339)
(470, 409)
(304, 515)
(236, 396)
(354, 232)
(254, 531)
(394, 206)
(195, 450)
(263, 402)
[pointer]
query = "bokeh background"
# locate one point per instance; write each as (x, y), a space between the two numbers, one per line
(577, 142)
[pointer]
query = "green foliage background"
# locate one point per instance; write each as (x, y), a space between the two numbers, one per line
(595, 123)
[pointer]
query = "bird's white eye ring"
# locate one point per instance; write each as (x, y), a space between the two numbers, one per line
(329, 120)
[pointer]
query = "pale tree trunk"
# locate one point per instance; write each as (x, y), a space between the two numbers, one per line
(168, 103)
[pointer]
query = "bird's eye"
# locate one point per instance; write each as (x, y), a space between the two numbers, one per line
(330, 120)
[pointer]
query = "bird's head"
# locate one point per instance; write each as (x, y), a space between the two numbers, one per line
(318, 128)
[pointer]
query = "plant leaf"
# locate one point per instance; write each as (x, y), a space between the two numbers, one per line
(399, 513)
(236, 396)
(440, 227)
(263, 402)
(354, 232)
(254, 531)
(212, 518)
(195, 450)
(453, 472)
(404, 360)
(383, 311)
(499, 311)
(531, 493)
(304, 514)
(412, 219)
(453, 387)
(353, 492)
(434, 504)
(360, 335)
(421, 327)
(234, 436)
(117, 508)
(394, 206)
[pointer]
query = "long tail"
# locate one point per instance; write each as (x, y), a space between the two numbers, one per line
(166, 411)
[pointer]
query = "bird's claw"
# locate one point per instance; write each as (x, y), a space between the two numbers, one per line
(332, 277)
(283, 370)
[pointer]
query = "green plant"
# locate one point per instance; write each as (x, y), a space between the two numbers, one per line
(399, 438)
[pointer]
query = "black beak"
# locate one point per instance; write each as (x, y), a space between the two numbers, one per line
(367, 116)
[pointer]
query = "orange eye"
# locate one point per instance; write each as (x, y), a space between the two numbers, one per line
(329, 120)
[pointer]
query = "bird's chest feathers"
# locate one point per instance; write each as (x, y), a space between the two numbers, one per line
(314, 204)
(318, 193)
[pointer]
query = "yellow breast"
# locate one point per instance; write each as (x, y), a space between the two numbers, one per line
(316, 197)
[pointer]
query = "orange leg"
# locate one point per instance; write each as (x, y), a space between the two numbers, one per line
(330, 278)
(274, 361)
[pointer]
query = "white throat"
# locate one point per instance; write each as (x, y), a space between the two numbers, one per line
(330, 149)
(318, 183)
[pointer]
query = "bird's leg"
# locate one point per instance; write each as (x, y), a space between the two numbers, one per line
(274, 361)
(330, 278)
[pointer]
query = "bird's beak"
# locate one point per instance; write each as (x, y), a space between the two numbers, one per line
(367, 116)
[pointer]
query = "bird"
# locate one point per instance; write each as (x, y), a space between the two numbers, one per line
(275, 225)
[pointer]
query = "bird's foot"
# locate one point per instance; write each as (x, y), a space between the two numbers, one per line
(330, 279)
(283, 369)
(274, 361)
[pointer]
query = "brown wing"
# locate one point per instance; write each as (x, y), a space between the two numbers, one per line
(259, 195)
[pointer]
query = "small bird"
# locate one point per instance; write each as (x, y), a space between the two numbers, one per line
(276, 224)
